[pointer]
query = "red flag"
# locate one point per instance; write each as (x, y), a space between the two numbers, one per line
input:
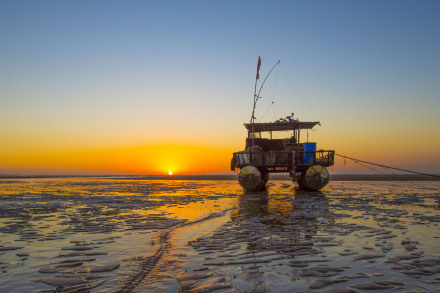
(258, 67)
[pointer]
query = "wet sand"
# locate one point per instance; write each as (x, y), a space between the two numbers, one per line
(124, 235)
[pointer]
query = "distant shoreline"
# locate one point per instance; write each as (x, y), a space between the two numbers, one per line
(274, 177)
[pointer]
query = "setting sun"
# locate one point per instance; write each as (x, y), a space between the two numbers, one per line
(170, 173)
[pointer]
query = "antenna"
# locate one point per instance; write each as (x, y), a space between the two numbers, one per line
(257, 96)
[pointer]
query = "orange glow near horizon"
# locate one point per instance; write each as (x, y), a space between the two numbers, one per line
(162, 159)
(186, 159)
(147, 160)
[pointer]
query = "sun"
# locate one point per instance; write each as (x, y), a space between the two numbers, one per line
(170, 173)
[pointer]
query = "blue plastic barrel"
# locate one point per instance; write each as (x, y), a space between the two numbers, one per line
(309, 147)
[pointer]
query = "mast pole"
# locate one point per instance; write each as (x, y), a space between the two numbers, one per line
(257, 77)
(257, 96)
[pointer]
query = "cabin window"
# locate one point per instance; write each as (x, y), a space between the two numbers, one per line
(282, 134)
(255, 135)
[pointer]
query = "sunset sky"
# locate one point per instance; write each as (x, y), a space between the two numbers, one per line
(147, 87)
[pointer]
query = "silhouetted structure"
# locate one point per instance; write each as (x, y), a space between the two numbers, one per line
(305, 164)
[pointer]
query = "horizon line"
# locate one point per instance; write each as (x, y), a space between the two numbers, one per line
(276, 177)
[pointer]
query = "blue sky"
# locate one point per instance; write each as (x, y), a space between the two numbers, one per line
(110, 74)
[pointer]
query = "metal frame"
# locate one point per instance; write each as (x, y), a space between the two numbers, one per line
(282, 161)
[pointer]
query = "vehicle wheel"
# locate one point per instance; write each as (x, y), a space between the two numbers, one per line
(251, 179)
(314, 178)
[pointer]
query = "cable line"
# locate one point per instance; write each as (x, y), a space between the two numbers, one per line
(408, 171)
(397, 178)
(272, 104)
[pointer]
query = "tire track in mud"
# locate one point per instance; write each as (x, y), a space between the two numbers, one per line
(148, 264)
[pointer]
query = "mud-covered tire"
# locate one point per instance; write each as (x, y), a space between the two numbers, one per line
(252, 179)
(314, 178)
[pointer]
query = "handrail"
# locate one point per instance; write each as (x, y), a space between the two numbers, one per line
(321, 157)
(271, 159)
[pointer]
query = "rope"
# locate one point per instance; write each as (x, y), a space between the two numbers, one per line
(268, 108)
(293, 87)
(397, 178)
(273, 95)
(388, 167)
(272, 104)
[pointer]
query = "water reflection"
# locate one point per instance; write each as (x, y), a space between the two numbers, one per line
(273, 219)
(251, 205)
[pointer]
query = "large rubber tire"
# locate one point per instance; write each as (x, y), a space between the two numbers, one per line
(251, 179)
(314, 178)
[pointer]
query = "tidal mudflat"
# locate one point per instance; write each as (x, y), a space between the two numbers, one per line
(123, 235)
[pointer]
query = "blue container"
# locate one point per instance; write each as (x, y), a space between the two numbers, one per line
(309, 147)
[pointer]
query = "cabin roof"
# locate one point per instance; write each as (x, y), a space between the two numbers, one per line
(292, 125)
